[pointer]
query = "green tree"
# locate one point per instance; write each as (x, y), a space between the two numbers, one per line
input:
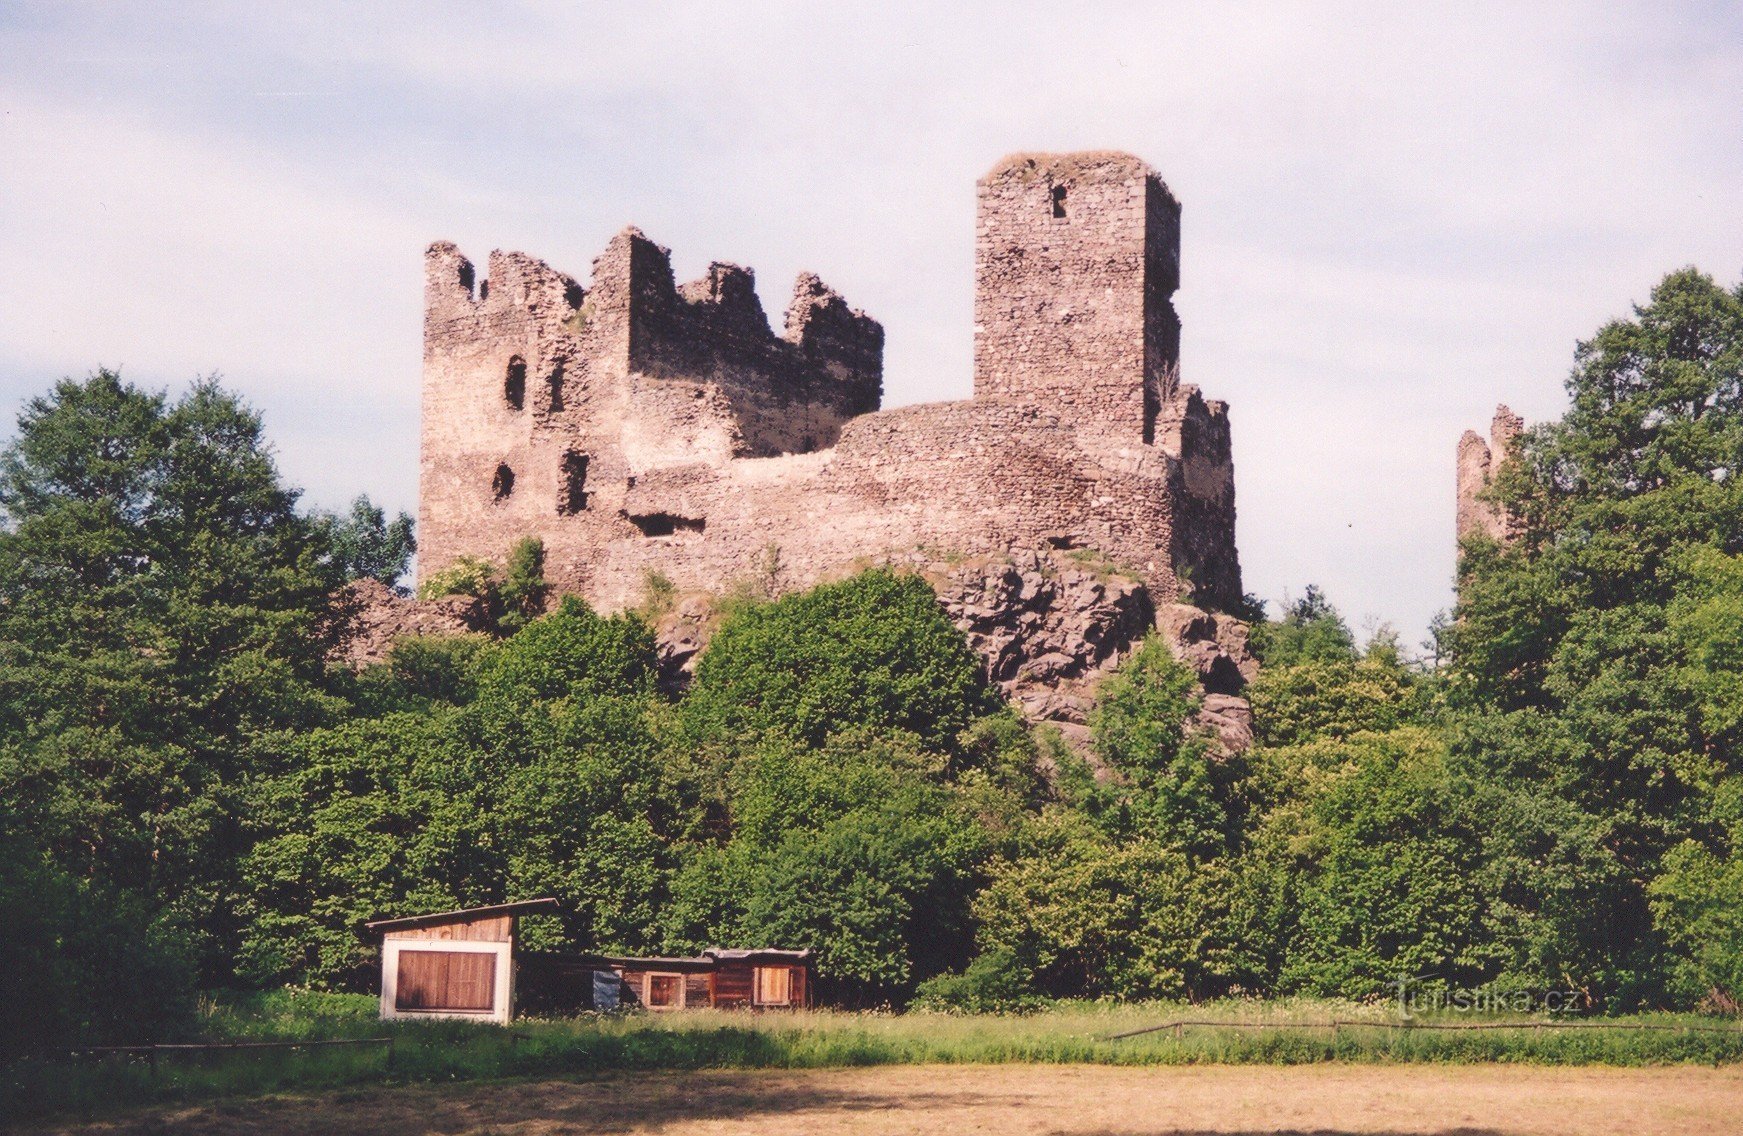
(1091, 915)
(162, 603)
(366, 545)
(1589, 657)
(871, 651)
(1364, 869)
(1311, 630)
(863, 849)
(550, 781)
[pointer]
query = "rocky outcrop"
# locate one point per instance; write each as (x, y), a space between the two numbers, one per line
(1050, 626)
(379, 616)
(679, 637)
(1477, 464)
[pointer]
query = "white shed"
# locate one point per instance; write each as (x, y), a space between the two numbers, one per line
(453, 964)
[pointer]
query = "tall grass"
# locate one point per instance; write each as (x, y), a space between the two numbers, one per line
(591, 1045)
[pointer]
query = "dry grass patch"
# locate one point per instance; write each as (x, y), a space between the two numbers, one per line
(1326, 1100)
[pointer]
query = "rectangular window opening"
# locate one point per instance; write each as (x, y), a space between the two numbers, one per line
(665, 524)
(573, 494)
(665, 991)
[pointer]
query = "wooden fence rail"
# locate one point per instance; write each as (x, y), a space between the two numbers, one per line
(1179, 1027)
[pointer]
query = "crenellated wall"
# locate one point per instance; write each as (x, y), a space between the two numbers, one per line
(638, 426)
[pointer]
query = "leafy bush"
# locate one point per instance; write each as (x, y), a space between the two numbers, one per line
(85, 964)
(572, 652)
(874, 651)
(994, 983)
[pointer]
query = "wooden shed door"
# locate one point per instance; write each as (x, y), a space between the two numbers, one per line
(446, 980)
(774, 986)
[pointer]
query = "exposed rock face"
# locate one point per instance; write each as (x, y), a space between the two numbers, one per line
(1478, 462)
(379, 616)
(1049, 626)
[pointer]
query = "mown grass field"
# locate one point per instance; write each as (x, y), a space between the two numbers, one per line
(1278, 1033)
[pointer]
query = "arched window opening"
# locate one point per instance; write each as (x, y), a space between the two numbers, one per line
(503, 483)
(1059, 201)
(514, 387)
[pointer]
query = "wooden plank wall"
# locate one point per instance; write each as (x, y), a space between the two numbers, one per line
(698, 991)
(499, 929)
(732, 984)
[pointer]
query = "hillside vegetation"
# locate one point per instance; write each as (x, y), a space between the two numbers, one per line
(1552, 803)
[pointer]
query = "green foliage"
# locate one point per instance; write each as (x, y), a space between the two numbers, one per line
(1311, 630)
(85, 964)
(995, 982)
(523, 584)
(1364, 870)
(1697, 904)
(441, 668)
(573, 652)
(872, 651)
(528, 767)
(1593, 659)
(464, 576)
(860, 849)
(365, 545)
(1091, 915)
(162, 604)
(1706, 624)
(1170, 787)
(1331, 698)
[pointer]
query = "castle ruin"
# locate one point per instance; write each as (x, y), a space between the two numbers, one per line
(1478, 462)
(638, 426)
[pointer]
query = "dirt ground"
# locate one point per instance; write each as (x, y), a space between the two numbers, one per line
(1008, 1100)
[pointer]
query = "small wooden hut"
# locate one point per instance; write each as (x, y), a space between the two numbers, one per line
(453, 964)
(766, 978)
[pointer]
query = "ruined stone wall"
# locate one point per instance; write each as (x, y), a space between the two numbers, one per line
(1477, 463)
(638, 427)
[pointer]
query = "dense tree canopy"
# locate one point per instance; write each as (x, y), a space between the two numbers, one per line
(1554, 802)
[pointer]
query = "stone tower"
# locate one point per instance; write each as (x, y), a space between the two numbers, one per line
(1478, 462)
(1077, 258)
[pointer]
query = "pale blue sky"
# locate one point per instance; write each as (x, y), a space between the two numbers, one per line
(1395, 215)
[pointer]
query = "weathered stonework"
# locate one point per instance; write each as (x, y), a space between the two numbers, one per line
(637, 426)
(379, 618)
(1478, 462)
